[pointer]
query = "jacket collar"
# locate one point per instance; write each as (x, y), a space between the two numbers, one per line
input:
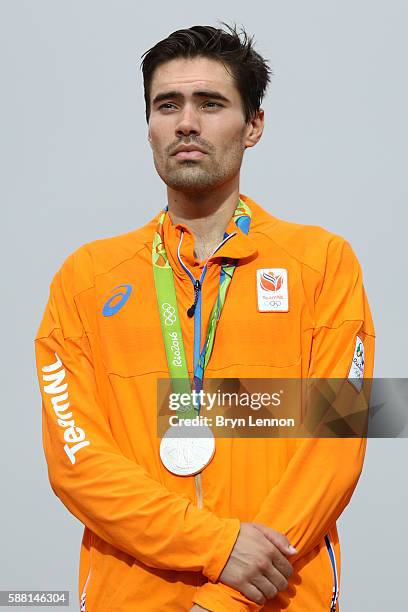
(240, 246)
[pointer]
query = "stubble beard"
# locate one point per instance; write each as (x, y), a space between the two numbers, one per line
(200, 176)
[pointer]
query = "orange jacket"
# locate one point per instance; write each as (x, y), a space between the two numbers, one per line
(151, 541)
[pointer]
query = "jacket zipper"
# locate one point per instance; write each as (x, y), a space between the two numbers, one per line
(197, 289)
(333, 604)
(195, 310)
(83, 594)
(199, 489)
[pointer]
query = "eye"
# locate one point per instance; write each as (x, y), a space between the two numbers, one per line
(166, 106)
(211, 104)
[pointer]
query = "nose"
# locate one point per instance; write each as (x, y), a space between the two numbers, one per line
(188, 123)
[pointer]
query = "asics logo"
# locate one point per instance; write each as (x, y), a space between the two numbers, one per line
(169, 313)
(113, 305)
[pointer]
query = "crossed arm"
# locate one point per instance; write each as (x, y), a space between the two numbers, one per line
(120, 502)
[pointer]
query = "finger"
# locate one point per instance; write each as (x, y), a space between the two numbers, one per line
(276, 578)
(281, 563)
(278, 539)
(277, 559)
(253, 593)
(267, 588)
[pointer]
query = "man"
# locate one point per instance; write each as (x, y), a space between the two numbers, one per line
(253, 525)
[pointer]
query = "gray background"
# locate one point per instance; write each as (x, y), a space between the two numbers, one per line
(76, 166)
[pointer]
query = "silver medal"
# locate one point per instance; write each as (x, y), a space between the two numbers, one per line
(185, 450)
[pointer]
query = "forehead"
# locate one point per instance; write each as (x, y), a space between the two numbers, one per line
(188, 74)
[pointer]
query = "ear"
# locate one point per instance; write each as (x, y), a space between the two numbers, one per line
(254, 129)
(149, 138)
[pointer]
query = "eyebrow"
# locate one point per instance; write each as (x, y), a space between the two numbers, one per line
(208, 93)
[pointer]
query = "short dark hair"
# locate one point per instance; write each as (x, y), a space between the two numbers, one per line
(233, 48)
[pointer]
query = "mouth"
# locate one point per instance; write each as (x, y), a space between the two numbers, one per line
(195, 154)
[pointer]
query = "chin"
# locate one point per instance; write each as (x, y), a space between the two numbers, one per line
(190, 182)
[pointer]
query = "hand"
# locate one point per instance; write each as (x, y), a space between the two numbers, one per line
(197, 608)
(257, 566)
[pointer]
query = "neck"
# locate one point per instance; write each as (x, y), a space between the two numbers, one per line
(207, 215)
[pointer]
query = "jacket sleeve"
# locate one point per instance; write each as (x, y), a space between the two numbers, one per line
(109, 493)
(323, 472)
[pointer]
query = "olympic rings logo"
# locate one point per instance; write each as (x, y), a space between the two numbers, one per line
(169, 313)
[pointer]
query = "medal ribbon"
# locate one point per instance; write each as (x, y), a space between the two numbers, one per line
(169, 314)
